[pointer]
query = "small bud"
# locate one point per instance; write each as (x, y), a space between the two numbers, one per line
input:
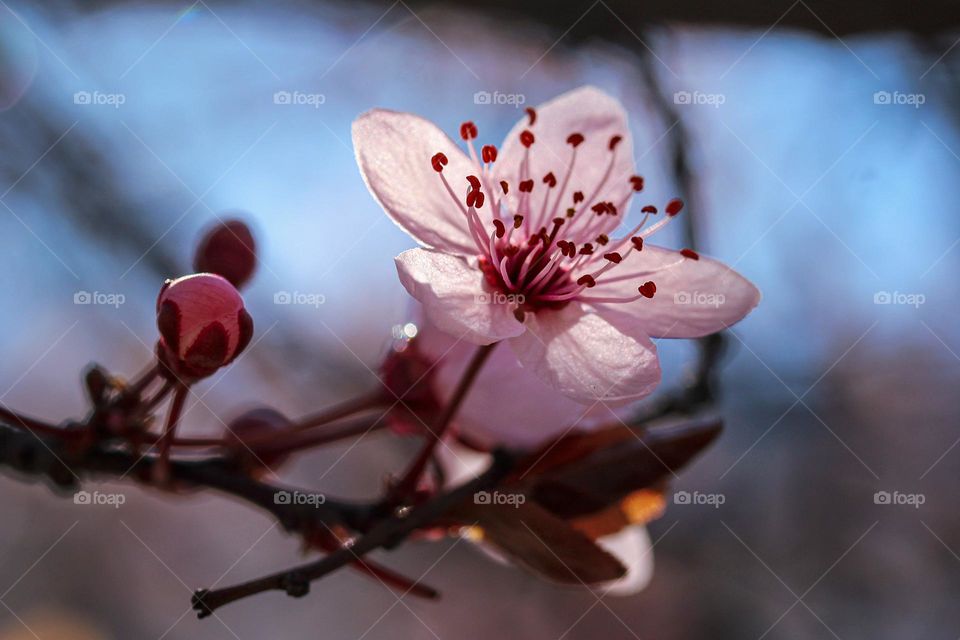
(227, 249)
(409, 374)
(248, 437)
(203, 325)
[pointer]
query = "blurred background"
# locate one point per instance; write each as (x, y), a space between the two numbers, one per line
(817, 146)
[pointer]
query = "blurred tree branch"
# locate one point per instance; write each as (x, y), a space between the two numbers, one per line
(832, 18)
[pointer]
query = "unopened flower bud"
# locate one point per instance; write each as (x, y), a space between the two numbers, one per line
(203, 325)
(249, 438)
(408, 374)
(228, 249)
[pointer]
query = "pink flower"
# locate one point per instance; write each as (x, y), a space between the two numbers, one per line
(518, 244)
(508, 405)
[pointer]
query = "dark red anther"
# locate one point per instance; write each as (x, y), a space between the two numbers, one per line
(613, 257)
(558, 222)
(475, 198)
(614, 141)
(526, 138)
(517, 222)
(488, 153)
(501, 229)
(577, 197)
(439, 161)
(649, 209)
(647, 289)
(526, 186)
(690, 253)
(600, 208)
(567, 248)
(575, 140)
(587, 280)
(468, 131)
(637, 183)
(504, 186)
(550, 180)
(674, 206)
(511, 251)
(474, 181)
(532, 113)
(611, 208)
(586, 249)
(637, 243)
(602, 239)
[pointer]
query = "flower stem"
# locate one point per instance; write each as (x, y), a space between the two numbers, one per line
(139, 384)
(408, 481)
(161, 470)
(158, 397)
(341, 410)
(284, 443)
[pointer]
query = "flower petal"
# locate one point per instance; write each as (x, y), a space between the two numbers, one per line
(508, 405)
(393, 152)
(589, 357)
(455, 297)
(597, 117)
(694, 297)
(633, 548)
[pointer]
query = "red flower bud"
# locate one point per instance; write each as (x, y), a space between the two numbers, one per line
(203, 325)
(249, 435)
(227, 249)
(408, 374)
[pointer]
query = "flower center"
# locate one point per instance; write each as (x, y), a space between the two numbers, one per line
(543, 254)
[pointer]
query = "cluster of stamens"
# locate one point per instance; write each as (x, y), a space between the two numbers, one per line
(548, 257)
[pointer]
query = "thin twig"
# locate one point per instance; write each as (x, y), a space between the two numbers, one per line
(296, 581)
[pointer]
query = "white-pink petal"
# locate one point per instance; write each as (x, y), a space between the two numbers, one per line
(596, 116)
(631, 545)
(508, 405)
(455, 297)
(694, 297)
(589, 357)
(394, 152)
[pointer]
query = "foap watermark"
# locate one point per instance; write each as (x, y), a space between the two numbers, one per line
(899, 98)
(899, 499)
(498, 297)
(709, 499)
(699, 98)
(299, 98)
(96, 498)
(299, 298)
(499, 497)
(699, 299)
(99, 98)
(299, 498)
(899, 298)
(99, 298)
(497, 98)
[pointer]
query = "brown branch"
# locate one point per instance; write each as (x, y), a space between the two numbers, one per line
(386, 534)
